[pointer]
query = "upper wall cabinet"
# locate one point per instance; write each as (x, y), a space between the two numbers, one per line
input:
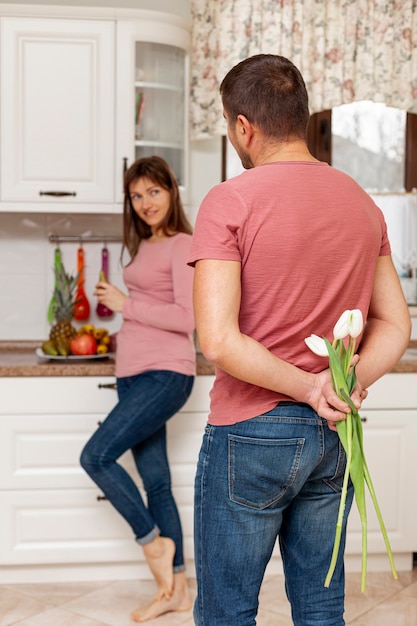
(152, 87)
(57, 114)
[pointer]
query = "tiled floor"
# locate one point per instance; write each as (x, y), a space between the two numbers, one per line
(385, 603)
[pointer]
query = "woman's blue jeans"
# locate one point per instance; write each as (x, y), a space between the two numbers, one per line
(278, 475)
(137, 422)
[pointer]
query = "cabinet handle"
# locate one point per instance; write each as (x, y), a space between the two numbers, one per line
(124, 165)
(100, 498)
(364, 419)
(57, 194)
(107, 386)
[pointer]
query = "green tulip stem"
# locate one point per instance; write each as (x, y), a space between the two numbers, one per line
(342, 504)
(351, 436)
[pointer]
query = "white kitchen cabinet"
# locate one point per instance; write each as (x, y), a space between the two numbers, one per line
(54, 520)
(57, 114)
(152, 74)
(52, 514)
(81, 99)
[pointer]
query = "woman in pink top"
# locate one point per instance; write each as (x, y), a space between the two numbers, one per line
(155, 368)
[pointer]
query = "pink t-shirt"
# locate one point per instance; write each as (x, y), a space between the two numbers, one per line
(158, 320)
(308, 238)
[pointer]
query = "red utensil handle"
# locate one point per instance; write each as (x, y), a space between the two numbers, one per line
(80, 266)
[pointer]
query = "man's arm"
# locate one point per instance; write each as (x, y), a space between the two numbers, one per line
(217, 294)
(388, 327)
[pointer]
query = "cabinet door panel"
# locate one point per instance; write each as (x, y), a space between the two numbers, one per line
(64, 395)
(43, 452)
(57, 125)
(390, 442)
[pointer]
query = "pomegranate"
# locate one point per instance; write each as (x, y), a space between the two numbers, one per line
(83, 345)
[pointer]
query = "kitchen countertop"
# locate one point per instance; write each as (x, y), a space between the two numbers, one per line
(18, 358)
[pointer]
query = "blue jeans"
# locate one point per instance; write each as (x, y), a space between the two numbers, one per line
(137, 422)
(278, 475)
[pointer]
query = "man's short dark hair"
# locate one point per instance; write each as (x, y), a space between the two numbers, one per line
(270, 92)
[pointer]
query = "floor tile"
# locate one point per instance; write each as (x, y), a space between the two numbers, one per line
(15, 606)
(57, 616)
(273, 596)
(114, 603)
(267, 618)
(380, 587)
(58, 593)
(400, 610)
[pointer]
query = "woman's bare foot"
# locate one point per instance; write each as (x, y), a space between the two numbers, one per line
(180, 601)
(159, 555)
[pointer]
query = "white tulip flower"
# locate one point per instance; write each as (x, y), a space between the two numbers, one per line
(317, 345)
(349, 323)
(355, 324)
(341, 328)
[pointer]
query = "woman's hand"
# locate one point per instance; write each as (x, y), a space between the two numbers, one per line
(110, 296)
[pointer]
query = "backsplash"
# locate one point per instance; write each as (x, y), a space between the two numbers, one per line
(27, 261)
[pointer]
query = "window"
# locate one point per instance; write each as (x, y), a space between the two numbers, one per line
(375, 144)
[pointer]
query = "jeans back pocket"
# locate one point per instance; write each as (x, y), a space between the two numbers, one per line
(262, 470)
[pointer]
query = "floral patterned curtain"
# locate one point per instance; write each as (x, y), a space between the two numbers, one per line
(347, 50)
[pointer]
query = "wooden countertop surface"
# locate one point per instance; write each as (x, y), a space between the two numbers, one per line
(18, 358)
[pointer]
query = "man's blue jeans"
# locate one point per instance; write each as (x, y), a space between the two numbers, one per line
(276, 475)
(137, 422)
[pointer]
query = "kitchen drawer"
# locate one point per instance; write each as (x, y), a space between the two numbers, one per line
(392, 391)
(57, 395)
(62, 526)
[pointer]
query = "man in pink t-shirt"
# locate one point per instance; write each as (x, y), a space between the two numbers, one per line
(280, 252)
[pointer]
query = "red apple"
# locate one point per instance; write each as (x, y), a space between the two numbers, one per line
(83, 345)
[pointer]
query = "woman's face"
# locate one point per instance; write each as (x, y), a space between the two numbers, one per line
(150, 201)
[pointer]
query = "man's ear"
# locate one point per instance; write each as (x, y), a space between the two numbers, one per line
(244, 129)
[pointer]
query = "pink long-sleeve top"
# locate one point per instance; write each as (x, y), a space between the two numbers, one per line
(158, 320)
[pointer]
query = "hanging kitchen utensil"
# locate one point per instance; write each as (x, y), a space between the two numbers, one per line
(52, 303)
(101, 309)
(82, 306)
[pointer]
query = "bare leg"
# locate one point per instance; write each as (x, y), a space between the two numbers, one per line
(179, 601)
(159, 555)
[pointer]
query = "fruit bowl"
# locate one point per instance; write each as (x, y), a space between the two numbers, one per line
(72, 357)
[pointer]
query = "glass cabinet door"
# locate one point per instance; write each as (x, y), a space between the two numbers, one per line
(152, 94)
(159, 104)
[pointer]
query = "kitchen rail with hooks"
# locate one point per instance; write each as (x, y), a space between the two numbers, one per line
(85, 239)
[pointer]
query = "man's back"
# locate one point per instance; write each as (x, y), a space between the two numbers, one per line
(308, 238)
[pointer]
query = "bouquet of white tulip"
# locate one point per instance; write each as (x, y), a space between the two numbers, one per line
(350, 324)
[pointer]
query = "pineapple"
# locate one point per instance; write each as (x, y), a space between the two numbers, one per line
(63, 331)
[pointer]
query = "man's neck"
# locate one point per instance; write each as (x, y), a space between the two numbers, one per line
(288, 151)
